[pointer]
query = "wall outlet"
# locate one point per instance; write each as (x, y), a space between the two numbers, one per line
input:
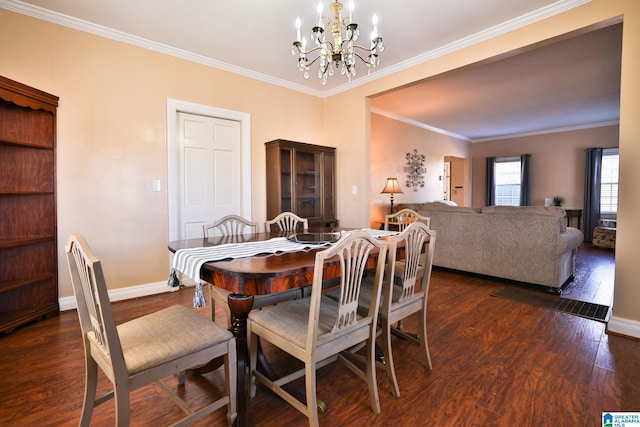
(155, 185)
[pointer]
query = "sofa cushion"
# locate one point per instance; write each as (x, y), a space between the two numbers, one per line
(436, 206)
(554, 211)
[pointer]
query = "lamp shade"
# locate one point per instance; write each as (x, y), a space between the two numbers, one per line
(392, 187)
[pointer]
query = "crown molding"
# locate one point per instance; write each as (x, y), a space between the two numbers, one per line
(505, 27)
(491, 138)
(110, 33)
(82, 25)
(416, 123)
(552, 130)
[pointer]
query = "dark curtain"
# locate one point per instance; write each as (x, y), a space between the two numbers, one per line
(525, 182)
(592, 172)
(489, 185)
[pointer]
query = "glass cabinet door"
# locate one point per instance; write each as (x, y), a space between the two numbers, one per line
(285, 179)
(328, 196)
(308, 198)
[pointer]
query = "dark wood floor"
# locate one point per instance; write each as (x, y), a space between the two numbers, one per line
(495, 363)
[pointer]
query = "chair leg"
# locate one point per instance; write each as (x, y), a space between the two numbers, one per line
(312, 404)
(253, 361)
(388, 358)
(424, 343)
(90, 387)
(371, 373)
(121, 397)
(230, 371)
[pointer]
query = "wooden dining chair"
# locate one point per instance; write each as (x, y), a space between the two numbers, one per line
(144, 350)
(403, 218)
(405, 291)
(230, 225)
(287, 221)
(236, 226)
(317, 329)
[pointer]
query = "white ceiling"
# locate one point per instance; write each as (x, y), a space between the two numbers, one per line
(578, 86)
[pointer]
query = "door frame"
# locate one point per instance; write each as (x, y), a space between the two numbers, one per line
(175, 106)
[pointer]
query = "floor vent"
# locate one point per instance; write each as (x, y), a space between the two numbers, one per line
(553, 302)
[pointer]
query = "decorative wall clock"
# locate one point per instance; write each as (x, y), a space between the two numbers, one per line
(415, 170)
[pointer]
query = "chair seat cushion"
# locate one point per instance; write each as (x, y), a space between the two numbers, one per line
(290, 319)
(167, 335)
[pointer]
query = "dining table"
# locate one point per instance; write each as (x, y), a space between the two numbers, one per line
(261, 274)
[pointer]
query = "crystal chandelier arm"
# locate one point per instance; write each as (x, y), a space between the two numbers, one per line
(314, 60)
(366, 49)
(360, 56)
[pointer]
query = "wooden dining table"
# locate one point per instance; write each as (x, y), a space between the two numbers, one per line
(248, 277)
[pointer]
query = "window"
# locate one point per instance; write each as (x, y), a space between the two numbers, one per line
(507, 181)
(609, 181)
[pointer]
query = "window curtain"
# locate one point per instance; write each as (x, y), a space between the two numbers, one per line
(525, 182)
(489, 184)
(591, 212)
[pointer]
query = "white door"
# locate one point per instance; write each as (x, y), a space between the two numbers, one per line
(209, 171)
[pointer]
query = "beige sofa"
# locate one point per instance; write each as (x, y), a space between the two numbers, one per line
(529, 244)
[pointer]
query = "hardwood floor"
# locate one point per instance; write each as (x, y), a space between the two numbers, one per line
(495, 363)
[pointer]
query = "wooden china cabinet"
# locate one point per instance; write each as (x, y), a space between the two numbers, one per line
(28, 241)
(301, 179)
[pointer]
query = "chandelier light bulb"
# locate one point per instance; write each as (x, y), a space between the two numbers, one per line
(374, 33)
(319, 10)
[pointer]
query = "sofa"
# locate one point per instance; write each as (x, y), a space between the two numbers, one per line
(530, 244)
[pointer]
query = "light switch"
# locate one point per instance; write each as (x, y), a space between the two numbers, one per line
(156, 185)
(354, 189)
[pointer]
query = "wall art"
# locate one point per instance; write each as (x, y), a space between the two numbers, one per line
(415, 170)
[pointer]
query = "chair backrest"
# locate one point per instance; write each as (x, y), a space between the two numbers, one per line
(94, 307)
(405, 217)
(353, 252)
(418, 243)
(230, 225)
(287, 221)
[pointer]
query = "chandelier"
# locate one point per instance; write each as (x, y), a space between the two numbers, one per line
(337, 48)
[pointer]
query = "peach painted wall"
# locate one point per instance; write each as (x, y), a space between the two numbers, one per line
(112, 142)
(626, 311)
(112, 138)
(557, 162)
(391, 140)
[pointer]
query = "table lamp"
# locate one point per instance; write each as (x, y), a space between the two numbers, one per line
(392, 187)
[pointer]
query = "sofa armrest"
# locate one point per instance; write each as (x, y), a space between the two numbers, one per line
(569, 240)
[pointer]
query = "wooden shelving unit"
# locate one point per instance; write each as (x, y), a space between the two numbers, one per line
(28, 237)
(301, 179)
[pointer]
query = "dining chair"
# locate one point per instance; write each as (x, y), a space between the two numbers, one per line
(318, 330)
(403, 218)
(405, 292)
(144, 350)
(230, 225)
(287, 221)
(234, 226)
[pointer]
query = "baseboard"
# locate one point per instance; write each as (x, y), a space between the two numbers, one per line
(69, 303)
(618, 325)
